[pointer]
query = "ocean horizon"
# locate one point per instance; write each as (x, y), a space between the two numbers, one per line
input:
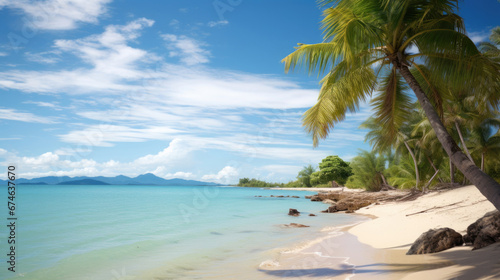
(157, 232)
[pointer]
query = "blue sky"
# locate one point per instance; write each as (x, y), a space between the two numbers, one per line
(185, 89)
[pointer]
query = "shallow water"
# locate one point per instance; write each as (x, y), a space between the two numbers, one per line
(156, 232)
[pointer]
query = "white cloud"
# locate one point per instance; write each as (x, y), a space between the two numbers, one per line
(70, 162)
(105, 135)
(189, 50)
(478, 37)
(108, 52)
(54, 106)
(117, 68)
(162, 172)
(43, 57)
(176, 150)
(217, 23)
(226, 175)
(174, 23)
(3, 54)
(13, 115)
(58, 14)
(44, 159)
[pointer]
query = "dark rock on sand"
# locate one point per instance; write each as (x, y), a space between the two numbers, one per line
(294, 225)
(293, 212)
(331, 209)
(484, 231)
(308, 196)
(312, 215)
(435, 240)
(294, 196)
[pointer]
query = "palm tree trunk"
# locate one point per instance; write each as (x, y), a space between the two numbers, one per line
(452, 172)
(432, 178)
(486, 185)
(417, 174)
(482, 161)
(433, 166)
(384, 181)
(463, 142)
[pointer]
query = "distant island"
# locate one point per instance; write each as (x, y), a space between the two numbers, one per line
(144, 179)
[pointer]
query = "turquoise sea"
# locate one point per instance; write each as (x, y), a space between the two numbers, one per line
(157, 232)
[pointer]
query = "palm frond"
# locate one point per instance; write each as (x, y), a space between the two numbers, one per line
(338, 95)
(392, 104)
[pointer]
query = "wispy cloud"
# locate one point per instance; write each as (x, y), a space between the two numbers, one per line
(14, 115)
(189, 50)
(217, 23)
(121, 93)
(105, 135)
(43, 57)
(54, 105)
(59, 14)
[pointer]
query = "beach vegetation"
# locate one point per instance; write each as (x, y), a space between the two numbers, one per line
(368, 171)
(304, 176)
(385, 48)
(255, 183)
(334, 170)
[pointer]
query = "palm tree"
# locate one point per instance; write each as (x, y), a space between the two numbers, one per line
(377, 137)
(492, 48)
(305, 175)
(360, 35)
(486, 140)
(368, 171)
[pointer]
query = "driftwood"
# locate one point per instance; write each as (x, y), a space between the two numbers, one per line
(435, 207)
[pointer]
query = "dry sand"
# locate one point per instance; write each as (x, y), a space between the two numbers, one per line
(400, 223)
(376, 249)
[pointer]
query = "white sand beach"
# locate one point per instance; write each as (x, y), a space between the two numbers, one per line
(399, 224)
(376, 249)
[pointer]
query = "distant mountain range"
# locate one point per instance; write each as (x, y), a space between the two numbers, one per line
(145, 179)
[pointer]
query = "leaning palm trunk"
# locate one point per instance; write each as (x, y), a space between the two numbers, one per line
(486, 185)
(463, 142)
(482, 161)
(452, 172)
(417, 174)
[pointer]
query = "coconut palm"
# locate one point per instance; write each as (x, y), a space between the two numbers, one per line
(486, 139)
(304, 175)
(492, 48)
(379, 140)
(362, 37)
(368, 171)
